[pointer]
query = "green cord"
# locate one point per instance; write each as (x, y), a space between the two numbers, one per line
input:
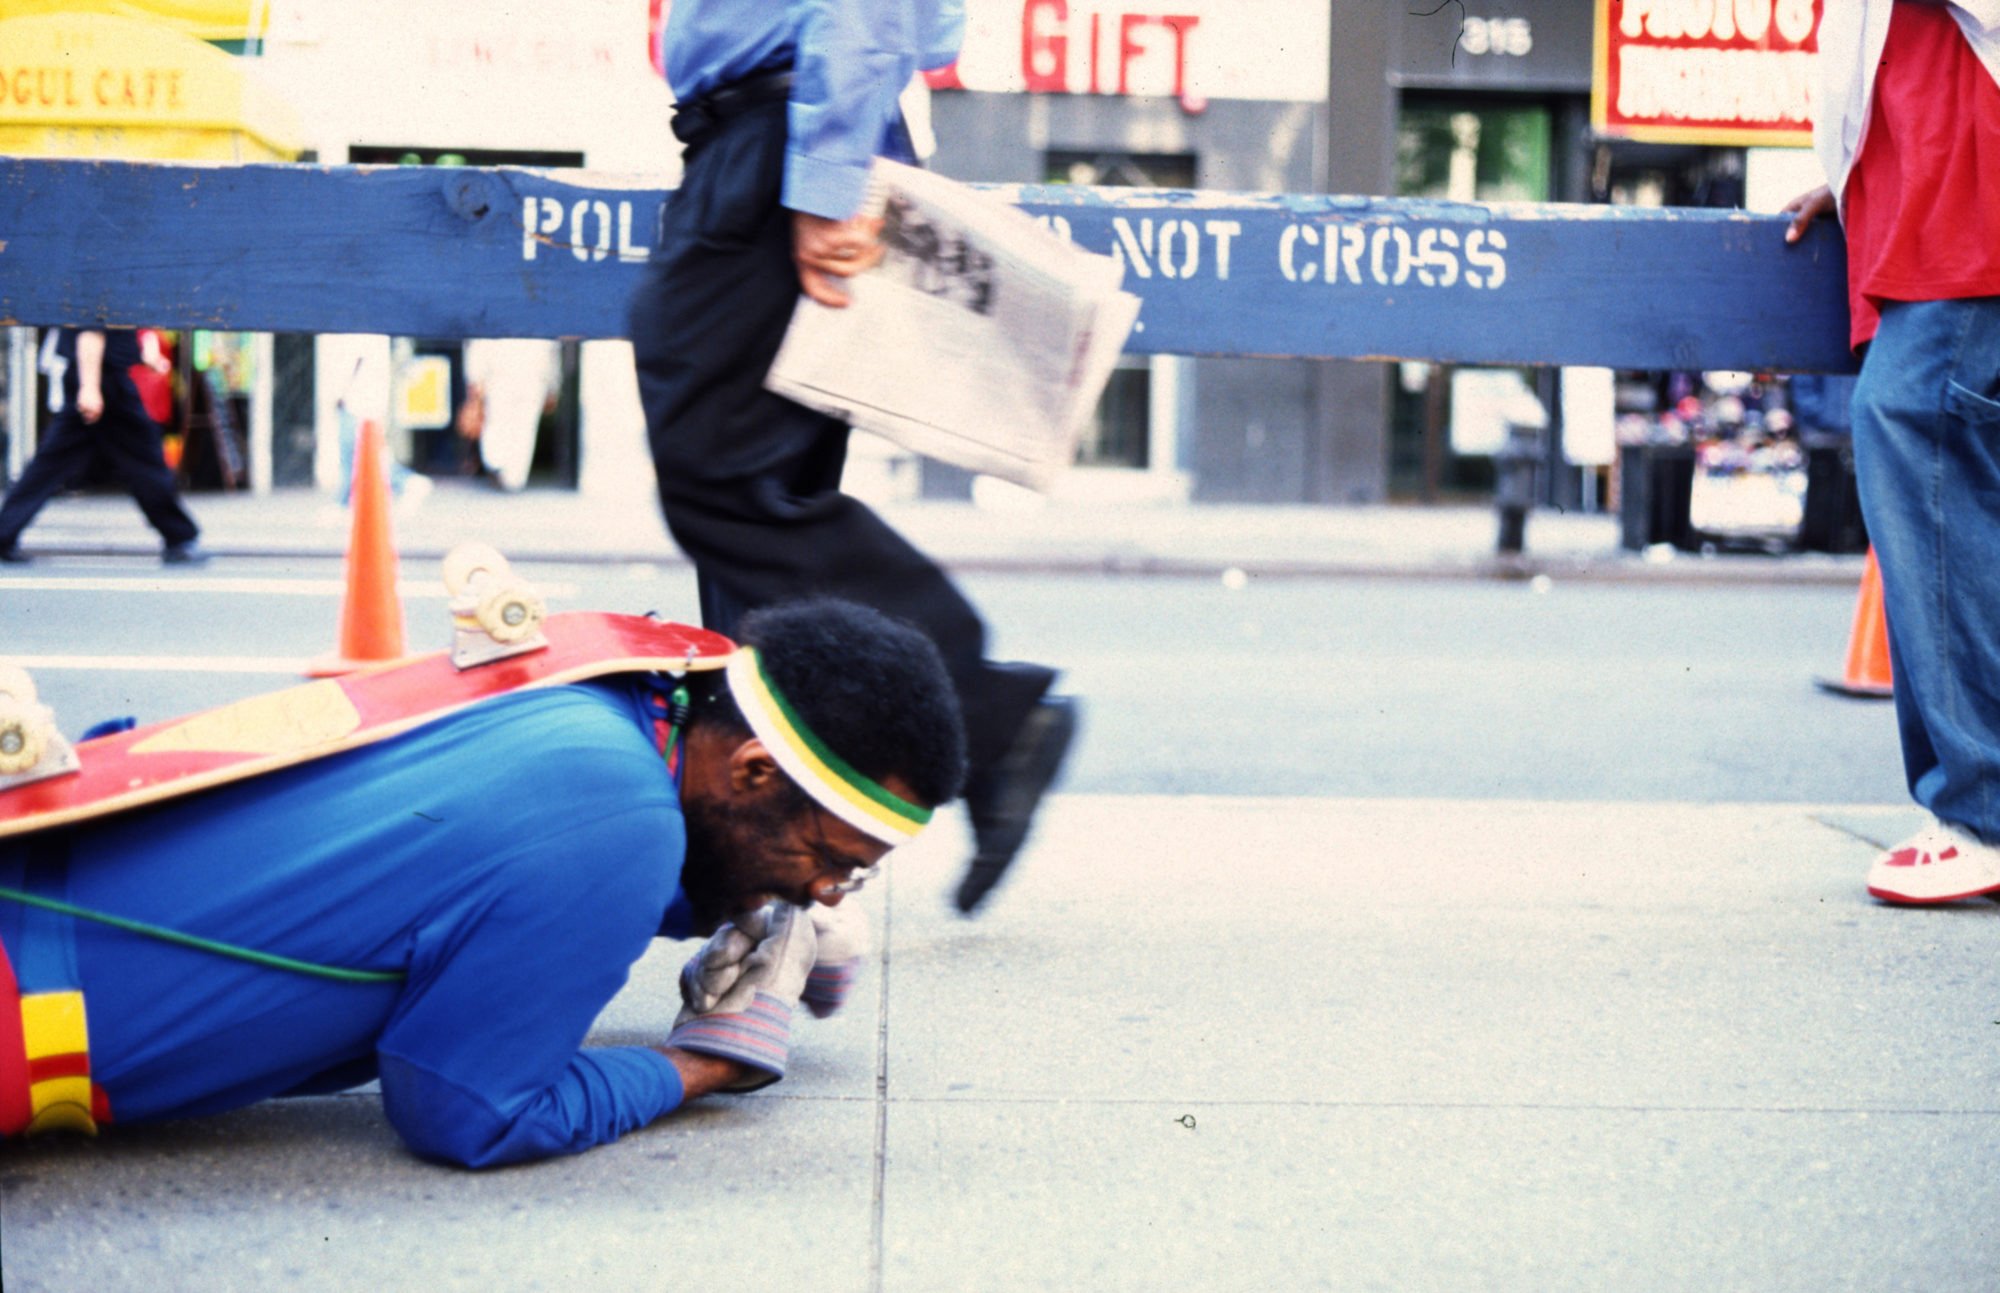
(166, 935)
(677, 717)
(679, 703)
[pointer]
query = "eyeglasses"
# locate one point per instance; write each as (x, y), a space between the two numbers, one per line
(832, 861)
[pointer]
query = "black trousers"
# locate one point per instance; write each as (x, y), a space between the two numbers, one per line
(126, 438)
(749, 481)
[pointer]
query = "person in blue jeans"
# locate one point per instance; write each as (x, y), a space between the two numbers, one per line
(1909, 133)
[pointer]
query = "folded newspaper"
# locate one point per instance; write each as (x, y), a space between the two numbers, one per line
(982, 339)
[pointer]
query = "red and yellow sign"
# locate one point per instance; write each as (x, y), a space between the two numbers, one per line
(1724, 72)
(1190, 50)
(95, 85)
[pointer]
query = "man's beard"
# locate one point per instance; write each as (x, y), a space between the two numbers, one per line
(728, 868)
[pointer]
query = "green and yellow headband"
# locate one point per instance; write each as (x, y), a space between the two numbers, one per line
(858, 800)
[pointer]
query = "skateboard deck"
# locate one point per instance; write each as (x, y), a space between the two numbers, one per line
(299, 724)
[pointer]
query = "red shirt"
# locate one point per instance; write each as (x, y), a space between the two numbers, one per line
(156, 390)
(1922, 207)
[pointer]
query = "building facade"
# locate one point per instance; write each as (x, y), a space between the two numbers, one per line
(1486, 101)
(1489, 100)
(377, 82)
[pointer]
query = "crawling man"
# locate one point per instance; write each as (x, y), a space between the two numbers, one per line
(449, 910)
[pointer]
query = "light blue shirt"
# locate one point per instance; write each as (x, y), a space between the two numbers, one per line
(850, 60)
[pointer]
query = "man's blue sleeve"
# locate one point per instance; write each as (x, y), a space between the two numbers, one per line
(853, 59)
(482, 1062)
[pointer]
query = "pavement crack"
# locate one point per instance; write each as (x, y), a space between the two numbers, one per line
(1843, 828)
(876, 1227)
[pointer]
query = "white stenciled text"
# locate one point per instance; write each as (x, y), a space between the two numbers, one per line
(590, 229)
(1393, 255)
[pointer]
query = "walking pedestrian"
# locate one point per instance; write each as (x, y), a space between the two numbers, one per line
(102, 418)
(782, 110)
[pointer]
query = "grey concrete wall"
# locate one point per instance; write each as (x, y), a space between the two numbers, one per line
(1351, 462)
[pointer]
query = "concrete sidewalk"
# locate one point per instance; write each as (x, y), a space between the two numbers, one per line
(1021, 534)
(1215, 1044)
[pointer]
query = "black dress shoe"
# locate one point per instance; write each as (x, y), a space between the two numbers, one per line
(13, 556)
(190, 553)
(1002, 801)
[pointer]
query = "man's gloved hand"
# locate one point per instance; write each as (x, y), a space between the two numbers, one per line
(741, 989)
(714, 969)
(842, 938)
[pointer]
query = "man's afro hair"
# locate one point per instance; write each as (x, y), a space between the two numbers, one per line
(874, 689)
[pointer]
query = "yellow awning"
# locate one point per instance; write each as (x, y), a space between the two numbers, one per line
(201, 19)
(100, 85)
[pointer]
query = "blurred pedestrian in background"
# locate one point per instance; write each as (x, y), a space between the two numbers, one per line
(365, 397)
(1909, 132)
(154, 375)
(510, 382)
(102, 418)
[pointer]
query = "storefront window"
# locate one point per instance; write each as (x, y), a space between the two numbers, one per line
(1742, 455)
(431, 428)
(1472, 153)
(211, 448)
(1442, 420)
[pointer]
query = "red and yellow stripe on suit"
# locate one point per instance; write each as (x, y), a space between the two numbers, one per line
(45, 1061)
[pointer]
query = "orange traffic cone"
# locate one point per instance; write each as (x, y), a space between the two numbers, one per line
(371, 617)
(1867, 673)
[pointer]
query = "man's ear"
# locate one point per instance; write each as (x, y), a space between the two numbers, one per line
(752, 770)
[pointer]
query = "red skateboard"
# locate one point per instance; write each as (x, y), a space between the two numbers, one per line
(300, 724)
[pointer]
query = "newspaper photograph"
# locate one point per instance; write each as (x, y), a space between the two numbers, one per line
(982, 339)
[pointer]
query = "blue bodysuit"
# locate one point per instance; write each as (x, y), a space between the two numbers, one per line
(511, 861)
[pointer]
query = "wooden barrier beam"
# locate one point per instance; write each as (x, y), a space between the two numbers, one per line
(466, 252)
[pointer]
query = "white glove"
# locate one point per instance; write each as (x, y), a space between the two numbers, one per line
(714, 969)
(749, 992)
(842, 939)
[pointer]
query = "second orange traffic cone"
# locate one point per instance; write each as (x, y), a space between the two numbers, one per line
(1866, 673)
(371, 615)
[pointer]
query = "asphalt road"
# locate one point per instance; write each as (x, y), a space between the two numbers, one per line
(1342, 688)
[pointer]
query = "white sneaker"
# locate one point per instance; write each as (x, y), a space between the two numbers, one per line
(1940, 863)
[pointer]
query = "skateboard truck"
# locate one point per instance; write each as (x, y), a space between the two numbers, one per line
(495, 613)
(31, 749)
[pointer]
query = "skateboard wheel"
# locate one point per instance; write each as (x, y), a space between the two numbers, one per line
(15, 682)
(466, 560)
(512, 612)
(22, 735)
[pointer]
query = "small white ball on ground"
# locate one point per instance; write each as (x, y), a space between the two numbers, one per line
(1541, 584)
(1234, 579)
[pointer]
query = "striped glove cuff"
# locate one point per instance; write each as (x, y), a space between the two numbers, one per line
(828, 985)
(760, 1035)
